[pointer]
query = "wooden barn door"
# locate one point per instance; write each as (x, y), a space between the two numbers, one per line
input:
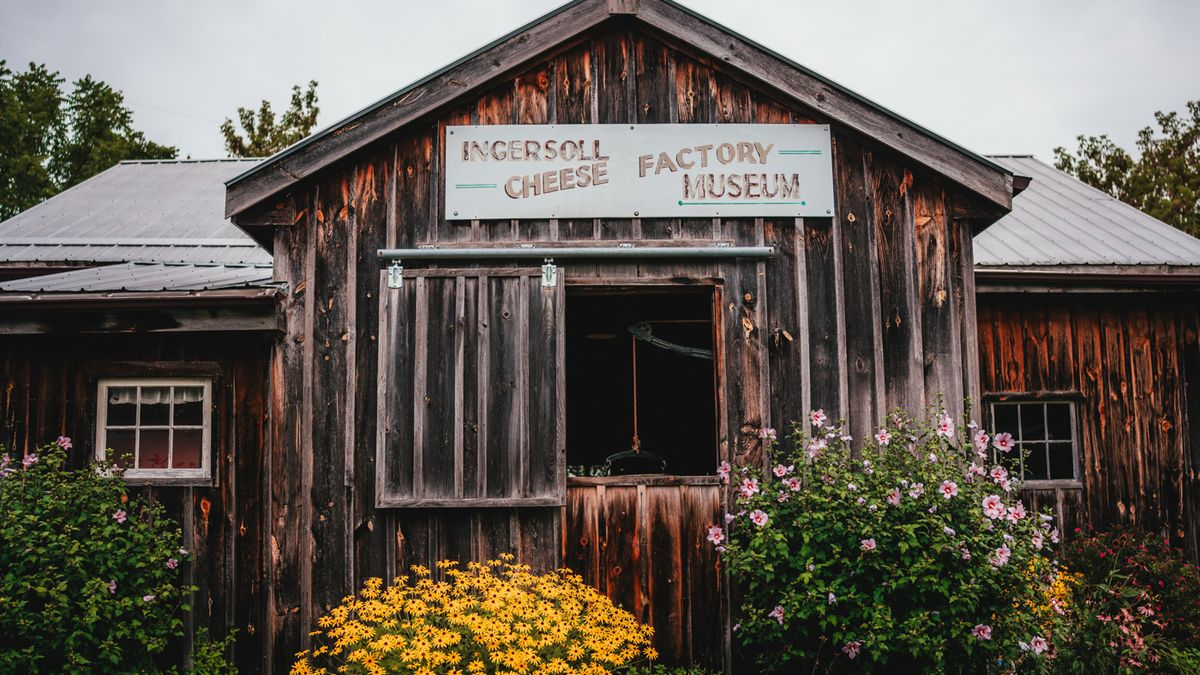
(470, 390)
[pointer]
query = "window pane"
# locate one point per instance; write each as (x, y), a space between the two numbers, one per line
(120, 441)
(189, 406)
(1035, 463)
(1033, 422)
(156, 406)
(154, 448)
(187, 448)
(1005, 418)
(1062, 464)
(1058, 421)
(122, 406)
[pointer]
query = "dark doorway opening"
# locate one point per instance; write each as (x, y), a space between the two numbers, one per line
(676, 405)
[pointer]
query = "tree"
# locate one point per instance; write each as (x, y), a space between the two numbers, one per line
(264, 135)
(1163, 181)
(50, 141)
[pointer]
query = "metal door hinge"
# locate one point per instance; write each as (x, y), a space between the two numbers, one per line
(549, 274)
(395, 275)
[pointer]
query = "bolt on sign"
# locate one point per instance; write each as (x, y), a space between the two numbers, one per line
(647, 170)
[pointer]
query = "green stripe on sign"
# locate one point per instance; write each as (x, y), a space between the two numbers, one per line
(471, 186)
(683, 203)
(799, 152)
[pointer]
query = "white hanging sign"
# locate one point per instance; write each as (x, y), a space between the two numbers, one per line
(643, 170)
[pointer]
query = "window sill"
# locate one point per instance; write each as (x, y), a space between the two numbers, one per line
(642, 479)
(170, 481)
(1065, 484)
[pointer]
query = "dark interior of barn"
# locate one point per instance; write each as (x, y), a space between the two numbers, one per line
(674, 384)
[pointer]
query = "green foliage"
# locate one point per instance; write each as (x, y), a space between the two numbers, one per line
(865, 561)
(89, 577)
(1136, 602)
(665, 670)
(1164, 180)
(208, 655)
(264, 135)
(50, 141)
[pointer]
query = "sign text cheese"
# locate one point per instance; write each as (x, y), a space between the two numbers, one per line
(645, 170)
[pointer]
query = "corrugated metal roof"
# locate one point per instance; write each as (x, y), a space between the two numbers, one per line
(1060, 220)
(143, 211)
(144, 277)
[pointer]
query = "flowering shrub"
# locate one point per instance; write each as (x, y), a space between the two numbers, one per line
(89, 578)
(496, 617)
(1138, 603)
(914, 553)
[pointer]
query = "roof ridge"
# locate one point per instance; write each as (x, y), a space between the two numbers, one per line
(189, 160)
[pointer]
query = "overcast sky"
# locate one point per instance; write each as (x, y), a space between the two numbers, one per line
(996, 76)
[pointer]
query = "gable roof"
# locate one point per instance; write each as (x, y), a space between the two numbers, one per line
(1061, 221)
(144, 211)
(507, 55)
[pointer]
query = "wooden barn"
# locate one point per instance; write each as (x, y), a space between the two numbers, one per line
(526, 305)
(1088, 314)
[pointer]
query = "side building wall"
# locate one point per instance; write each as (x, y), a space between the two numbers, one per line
(48, 388)
(1132, 363)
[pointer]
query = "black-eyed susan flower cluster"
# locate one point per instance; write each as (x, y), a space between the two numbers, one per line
(493, 617)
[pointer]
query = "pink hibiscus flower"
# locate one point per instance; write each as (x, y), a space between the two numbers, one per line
(816, 446)
(945, 426)
(777, 614)
(766, 434)
(949, 489)
(1017, 512)
(723, 470)
(852, 649)
(780, 470)
(1003, 442)
(999, 473)
(992, 507)
(749, 487)
(981, 441)
(982, 632)
(759, 517)
(917, 490)
(1039, 644)
(893, 497)
(64, 442)
(119, 515)
(1000, 556)
(817, 417)
(172, 563)
(867, 544)
(882, 437)
(793, 484)
(716, 535)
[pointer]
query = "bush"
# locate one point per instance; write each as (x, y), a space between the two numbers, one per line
(1138, 601)
(89, 577)
(496, 617)
(913, 554)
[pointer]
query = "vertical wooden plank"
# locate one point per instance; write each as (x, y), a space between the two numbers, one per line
(708, 637)
(376, 201)
(786, 336)
(574, 92)
(621, 545)
(287, 571)
(439, 351)
(825, 358)
(665, 570)
(859, 281)
(502, 427)
(1093, 412)
(964, 294)
(1189, 344)
(533, 106)
(453, 229)
(695, 102)
(582, 538)
(899, 307)
(497, 106)
(938, 323)
(654, 91)
(1118, 422)
(546, 463)
(414, 210)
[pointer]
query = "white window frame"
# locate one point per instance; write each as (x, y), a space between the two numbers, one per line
(1073, 407)
(201, 475)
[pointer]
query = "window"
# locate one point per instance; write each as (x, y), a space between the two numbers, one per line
(1046, 429)
(156, 428)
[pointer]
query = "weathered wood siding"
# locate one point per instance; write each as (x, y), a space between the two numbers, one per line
(857, 314)
(48, 388)
(1134, 364)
